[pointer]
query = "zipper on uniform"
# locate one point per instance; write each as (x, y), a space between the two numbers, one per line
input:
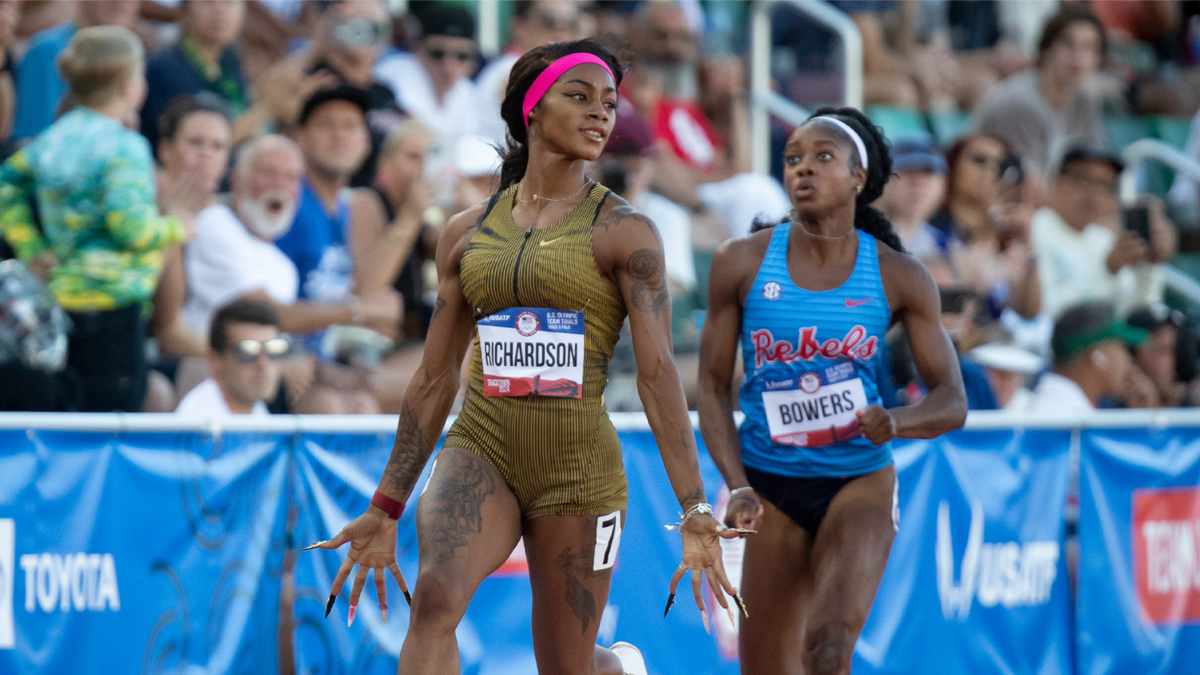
(517, 266)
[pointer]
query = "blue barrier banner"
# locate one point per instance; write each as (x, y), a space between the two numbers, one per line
(173, 552)
(1139, 551)
(976, 581)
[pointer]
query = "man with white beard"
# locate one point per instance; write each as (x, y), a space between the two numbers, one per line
(233, 254)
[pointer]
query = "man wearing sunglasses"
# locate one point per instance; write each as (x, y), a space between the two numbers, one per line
(433, 84)
(244, 349)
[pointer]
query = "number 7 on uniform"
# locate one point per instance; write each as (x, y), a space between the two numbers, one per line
(608, 540)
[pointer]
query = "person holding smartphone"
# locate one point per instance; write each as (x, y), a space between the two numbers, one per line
(1084, 250)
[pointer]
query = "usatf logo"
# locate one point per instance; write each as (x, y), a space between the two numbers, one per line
(772, 290)
(8, 543)
(1009, 574)
(1166, 553)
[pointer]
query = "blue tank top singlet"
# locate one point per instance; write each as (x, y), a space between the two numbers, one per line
(812, 360)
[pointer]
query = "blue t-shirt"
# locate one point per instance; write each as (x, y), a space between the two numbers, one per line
(39, 86)
(317, 245)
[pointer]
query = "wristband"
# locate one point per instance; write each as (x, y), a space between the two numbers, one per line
(391, 507)
(741, 492)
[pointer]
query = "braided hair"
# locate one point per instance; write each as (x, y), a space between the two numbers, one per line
(879, 169)
(524, 72)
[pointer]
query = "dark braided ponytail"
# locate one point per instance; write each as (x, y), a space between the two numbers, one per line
(524, 72)
(879, 169)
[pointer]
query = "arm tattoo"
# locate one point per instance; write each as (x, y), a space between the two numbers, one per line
(409, 453)
(649, 292)
(437, 308)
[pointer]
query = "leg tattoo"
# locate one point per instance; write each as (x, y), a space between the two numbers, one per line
(458, 504)
(576, 567)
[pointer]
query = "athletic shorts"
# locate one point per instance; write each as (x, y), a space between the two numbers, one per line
(804, 500)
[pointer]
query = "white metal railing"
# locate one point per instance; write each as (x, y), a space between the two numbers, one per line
(1135, 155)
(386, 424)
(489, 27)
(764, 102)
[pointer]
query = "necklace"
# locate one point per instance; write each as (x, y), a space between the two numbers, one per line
(821, 236)
(548, 199)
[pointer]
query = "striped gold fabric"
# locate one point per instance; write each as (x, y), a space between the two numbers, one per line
(559, 456)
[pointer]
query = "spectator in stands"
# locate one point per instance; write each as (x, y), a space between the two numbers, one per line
(244, 348)
(1008, 367)
(233, 257)
(193, 150)
(1156, 357)
(533, 24)
(390, 238)
(1081, 254)
(896, 70)
(204, 59)
(1043, 110)
(347, 39)
(40, 84)
(99, 232)
(434, 83)
(332, 135)
(698, 167)
(914, 194)
(1091, 359)
(985, 219)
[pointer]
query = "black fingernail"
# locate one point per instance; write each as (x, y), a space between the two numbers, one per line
(670, 601)
(329, 605)
(408, 598)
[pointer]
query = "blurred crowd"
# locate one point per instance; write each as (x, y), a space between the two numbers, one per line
(234, 205)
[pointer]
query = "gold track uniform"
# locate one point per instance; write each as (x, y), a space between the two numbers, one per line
(547, 322)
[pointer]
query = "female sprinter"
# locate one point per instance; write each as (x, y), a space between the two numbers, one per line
(543, 275)
(811, 466)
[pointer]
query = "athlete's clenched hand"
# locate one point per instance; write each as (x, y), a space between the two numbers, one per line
(877, 424)
(372, 538)
(744, 511)
(702, 536)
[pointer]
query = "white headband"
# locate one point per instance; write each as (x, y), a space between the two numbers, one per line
(858, 142)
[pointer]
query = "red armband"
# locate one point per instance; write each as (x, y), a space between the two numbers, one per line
(391, 507)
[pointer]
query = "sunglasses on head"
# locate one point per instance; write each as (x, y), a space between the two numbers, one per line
(248, 351)
(441, 54)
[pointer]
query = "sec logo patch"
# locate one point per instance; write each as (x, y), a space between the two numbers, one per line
(772, 290)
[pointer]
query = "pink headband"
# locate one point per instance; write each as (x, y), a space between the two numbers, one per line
(551, 74)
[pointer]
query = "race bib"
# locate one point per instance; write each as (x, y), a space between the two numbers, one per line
(532, 350)
(814, 409)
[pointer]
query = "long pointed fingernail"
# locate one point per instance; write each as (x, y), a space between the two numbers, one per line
(408, 598)
(312, 546)
(737, 597)
(704, 615)
(350, 617)
(670, 601)
(329, 605)
(383, 611)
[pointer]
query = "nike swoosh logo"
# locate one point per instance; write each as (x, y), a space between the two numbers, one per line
(856, 303)
(550, 241)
